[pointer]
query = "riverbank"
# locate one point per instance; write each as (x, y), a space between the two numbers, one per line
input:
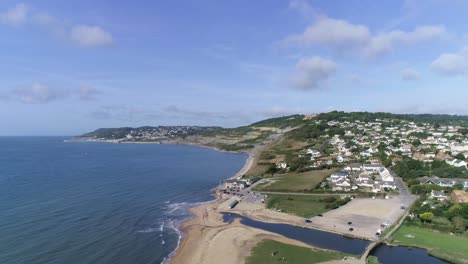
(209, 239)
(445, 246)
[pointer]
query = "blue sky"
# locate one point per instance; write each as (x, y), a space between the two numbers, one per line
(68, 67)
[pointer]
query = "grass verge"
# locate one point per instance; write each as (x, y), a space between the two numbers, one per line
(303, 206)
(263, 254)
(294, 182)
(453, 248)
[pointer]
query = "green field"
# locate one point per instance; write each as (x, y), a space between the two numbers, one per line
(295, 182)
(443, 245)
(372, 260)
(300, 205)
(262, 254)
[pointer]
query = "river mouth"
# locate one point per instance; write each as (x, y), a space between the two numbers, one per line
(331, 241)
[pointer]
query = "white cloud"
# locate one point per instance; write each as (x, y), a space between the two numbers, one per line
(304, 8)
(90, 36)
(41, 94)
(83, 35)
(38, 94)
(339, 34)
(409, 74)
(310, 72)
(15, 16)
(451, 64)
(387, 41)
(342, 36)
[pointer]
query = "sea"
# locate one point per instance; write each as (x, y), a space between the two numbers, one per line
(86, 202)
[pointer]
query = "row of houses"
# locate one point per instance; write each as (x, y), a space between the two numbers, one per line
(443, 182)
(374, 177)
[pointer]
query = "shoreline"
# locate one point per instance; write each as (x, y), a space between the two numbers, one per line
(195, 217)
(199, 213)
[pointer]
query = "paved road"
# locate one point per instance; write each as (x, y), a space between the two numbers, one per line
(309, 194)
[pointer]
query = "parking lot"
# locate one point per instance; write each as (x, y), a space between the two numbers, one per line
(366, 216)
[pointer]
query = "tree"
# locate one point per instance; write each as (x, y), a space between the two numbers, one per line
(458, 186)
(459, 224)
(417, 143)
(387, 163)
(460, 156)
(272, 169)
(454, 211)
(426, 217)
(396, 143)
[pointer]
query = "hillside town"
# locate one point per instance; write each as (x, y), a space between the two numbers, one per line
(145, 134)
(387, 141)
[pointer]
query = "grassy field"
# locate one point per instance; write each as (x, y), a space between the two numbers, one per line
(443, 245)
(262, 254)
(303, 206)
(297, 181)
(372, 260)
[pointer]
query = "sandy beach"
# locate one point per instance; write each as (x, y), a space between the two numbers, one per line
(208, 239)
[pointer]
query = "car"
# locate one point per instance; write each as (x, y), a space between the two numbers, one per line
(308, 221)
(350, 223)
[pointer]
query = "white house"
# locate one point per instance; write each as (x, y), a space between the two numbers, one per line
(281, 165)
(314, 153)
(460, 163)
(386, 175)
(438, 195)
(339, 175)
(456, 162)
(340, 159)
(365, 154)
(372, 150)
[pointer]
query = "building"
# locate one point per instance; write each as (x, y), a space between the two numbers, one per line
(459, 196)
(235, 184)
(281, 165)
(353, 167)
(314, 153)
(456, 162)
(339, 175)
(443, 182)
(438, 195)
(340, 159)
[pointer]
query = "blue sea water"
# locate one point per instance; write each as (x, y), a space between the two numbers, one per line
(83, 202)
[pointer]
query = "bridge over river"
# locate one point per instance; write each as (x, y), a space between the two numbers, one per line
(374, 244)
